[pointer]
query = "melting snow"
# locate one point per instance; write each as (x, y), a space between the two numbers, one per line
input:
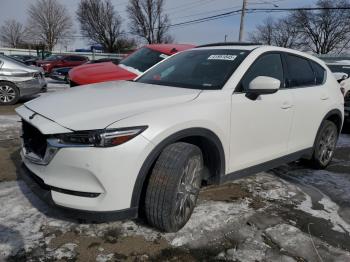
(330, 212)
(344, 141)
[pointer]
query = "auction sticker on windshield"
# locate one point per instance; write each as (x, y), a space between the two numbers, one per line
(222, 57)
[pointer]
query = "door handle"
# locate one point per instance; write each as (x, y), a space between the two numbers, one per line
(324, 97)
(286, 105)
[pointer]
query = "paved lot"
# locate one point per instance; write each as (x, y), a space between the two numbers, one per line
(288, 214)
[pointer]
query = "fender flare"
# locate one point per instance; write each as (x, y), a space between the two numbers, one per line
(151, 158)
(330, 113)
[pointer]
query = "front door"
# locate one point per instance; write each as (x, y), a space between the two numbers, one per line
(260, 128)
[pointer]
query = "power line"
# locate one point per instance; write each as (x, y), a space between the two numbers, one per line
(236, 12)
(251, 10)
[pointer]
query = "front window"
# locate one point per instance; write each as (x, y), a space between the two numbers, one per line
(53, 58)
(143, 59)
(205, 69)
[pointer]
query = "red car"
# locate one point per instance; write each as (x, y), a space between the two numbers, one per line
(57, 61)
(127, 69)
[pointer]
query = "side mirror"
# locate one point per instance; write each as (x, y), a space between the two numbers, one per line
(263, 85)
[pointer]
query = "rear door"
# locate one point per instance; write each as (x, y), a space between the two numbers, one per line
(306, 82)
(260, 128)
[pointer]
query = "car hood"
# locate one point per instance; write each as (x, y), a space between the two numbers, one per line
(98, 106)
(101, 72)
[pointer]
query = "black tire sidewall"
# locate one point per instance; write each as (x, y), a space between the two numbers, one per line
(173, 194)
(164, 182)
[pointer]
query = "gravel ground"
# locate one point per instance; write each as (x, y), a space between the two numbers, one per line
(290, 213)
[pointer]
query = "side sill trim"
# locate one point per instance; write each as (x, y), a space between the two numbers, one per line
(266, 166)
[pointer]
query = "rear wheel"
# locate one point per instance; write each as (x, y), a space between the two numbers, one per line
(325, 145)
(9, 93)
(174, 186)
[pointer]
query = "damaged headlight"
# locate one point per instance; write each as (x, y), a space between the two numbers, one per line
(100, 138)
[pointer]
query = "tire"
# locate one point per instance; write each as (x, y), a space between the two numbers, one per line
(9, 93)
(175, 182)
(325, 145)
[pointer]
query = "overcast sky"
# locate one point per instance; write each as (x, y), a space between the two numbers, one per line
(179, 11)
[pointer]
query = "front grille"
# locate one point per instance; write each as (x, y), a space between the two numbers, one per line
(33, 140)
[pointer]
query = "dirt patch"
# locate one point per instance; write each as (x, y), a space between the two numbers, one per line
(227, 193)
(125, 248)
(231, 192)
(257, 203)
(9, 159)
(9, 110)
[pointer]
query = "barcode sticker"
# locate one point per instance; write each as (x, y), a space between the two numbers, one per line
(222, 57)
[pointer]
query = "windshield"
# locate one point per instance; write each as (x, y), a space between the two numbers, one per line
(143, 59)
(53, 58)
(198, 69)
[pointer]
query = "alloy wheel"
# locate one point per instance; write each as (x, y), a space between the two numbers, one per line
(188, 190)
(7, 94)
(327, 145)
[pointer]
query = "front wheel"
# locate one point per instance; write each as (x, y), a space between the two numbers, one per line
(174, 186)
(325, 145)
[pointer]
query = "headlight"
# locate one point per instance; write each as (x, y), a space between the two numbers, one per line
(100, 138)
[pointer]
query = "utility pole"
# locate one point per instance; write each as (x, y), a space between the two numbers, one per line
(225, 38)
(241, 27)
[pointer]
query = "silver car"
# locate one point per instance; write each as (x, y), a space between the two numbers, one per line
(18, 80)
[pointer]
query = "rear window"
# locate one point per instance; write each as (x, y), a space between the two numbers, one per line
(300, 72)
(143, 59)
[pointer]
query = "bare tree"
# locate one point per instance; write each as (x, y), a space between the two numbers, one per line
(263, 32)
(125, 44)
(12, 33)
(326, 30)
(100, 22)
(149, 21)
(49, 22)
(277, 32)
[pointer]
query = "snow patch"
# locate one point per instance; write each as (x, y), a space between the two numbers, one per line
(330, 212)
(104, 258)
(208, 220)
(343, 141)
(20, 221)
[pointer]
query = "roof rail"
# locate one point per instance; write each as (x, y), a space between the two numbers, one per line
(230, 43)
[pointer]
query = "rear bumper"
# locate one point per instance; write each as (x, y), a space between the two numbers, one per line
(44, 192)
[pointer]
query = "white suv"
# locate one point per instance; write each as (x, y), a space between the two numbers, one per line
(206, 115)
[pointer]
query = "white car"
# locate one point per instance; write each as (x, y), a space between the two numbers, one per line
(345, 87)
(204, 116)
